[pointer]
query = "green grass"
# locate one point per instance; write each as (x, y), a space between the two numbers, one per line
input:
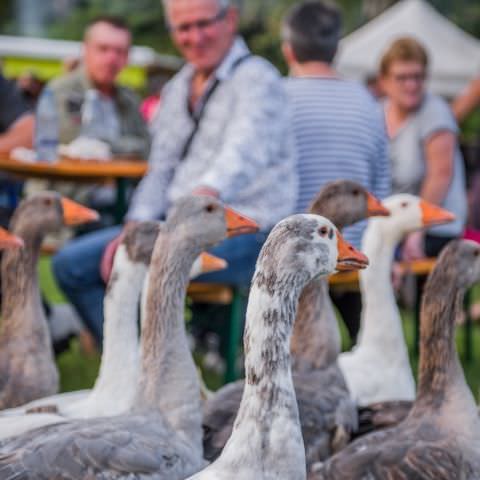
(79, 371)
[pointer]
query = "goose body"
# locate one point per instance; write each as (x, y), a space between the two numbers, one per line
(266, 442)
(160, 437)
(440, 438)
(27, 366)
(327, 413)
(378, 368)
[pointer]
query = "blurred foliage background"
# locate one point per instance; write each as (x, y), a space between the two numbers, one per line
(66, 19)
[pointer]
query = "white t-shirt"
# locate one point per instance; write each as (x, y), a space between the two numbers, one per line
(407, 154)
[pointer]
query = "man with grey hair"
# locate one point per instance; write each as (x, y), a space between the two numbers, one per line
(221, 130)
(338, 130)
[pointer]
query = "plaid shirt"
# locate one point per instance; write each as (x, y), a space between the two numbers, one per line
(242, 148)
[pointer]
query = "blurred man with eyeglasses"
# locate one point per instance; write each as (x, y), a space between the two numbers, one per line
(221, 130)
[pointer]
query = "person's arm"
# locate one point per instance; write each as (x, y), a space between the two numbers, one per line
(467, 100)
(439, 163)
(257, 119)
(20, 134)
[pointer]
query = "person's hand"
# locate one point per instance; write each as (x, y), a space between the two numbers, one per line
(413, 247)
(106, 263)
(206, 191)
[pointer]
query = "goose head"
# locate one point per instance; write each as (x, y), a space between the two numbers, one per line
(310, 245)
(346, 202)
(48, 212)
(7, 240)
(460, 263)
(203, 221)
(409, 213)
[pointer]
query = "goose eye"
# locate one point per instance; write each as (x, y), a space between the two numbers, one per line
(404, 204)
(323, 231)
(210, 208)
(48, 202)
(476, 253)
(356, 192)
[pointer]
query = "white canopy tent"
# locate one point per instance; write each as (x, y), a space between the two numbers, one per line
(454, 54)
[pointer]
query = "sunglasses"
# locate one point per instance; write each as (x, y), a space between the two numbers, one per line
(202, 24)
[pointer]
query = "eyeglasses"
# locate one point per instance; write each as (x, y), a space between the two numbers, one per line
(405, 77)
(202, 24)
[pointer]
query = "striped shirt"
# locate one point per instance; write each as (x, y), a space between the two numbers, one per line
(338, 134)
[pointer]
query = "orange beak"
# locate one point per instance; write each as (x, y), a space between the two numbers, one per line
(76, 214)
(238, 224)
(7, 240)
(434, 215)
(211, 263)
(375, 207)
(349, 258)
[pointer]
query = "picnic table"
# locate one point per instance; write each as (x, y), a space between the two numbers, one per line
(120, 170)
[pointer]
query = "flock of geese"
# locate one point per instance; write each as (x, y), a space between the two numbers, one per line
(304, 411)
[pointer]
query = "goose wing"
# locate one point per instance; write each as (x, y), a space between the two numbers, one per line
(390, 454)
(103, 448)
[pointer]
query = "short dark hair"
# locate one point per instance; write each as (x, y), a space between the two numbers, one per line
(313, 28)
(113, 20)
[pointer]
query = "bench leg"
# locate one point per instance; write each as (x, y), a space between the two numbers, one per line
(234, 336)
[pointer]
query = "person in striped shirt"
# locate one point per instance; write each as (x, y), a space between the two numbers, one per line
(337, 127)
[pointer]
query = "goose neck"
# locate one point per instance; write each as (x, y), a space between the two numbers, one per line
(315, 339)
(120, 347)
(168, 379)
(268, 394)
(380, 319)
(439, 365)
(19, 281)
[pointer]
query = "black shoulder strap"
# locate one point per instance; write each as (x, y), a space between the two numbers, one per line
(197, 116)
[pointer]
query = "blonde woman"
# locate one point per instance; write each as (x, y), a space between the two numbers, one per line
(423, 148)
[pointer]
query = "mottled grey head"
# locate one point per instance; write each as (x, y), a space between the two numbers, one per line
(459, 262)
(204, 221)
(302, 244)
(38, 214)
(345, 202)
(139, 240)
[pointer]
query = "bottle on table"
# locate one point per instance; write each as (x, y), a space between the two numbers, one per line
(46, 127)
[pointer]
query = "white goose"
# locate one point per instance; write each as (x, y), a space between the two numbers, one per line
(161, 437)
(115, 386)
(266, 442)
(378, 368)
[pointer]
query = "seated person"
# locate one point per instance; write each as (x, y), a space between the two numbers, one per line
(424, 150)
(222, 130)
(338, 131)
(106, 45)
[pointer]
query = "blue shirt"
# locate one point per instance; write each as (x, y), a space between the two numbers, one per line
(242, 148)
(338, 134)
